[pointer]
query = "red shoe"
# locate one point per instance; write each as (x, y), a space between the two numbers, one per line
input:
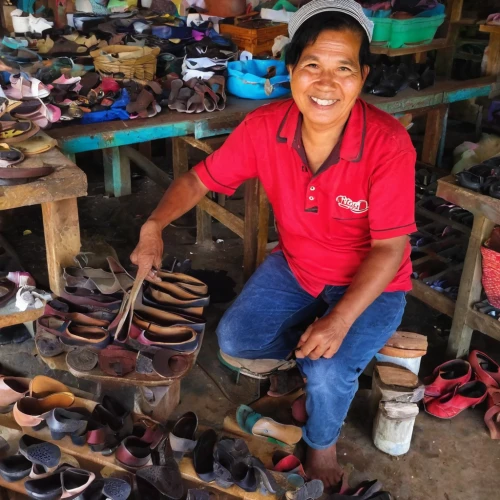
(485, 368)
(492, 415)
(453, 403)
(446, 377)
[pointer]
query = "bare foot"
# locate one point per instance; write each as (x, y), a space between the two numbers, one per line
(322, 464)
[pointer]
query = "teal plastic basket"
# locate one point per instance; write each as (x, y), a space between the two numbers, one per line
(419, 30)
(404, 32)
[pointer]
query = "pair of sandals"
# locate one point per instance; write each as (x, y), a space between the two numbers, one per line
(196, 95)
(483, 178)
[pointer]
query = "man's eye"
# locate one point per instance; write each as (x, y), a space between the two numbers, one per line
(312, 65)
(344, 68)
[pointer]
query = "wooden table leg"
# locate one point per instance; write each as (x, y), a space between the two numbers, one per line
(433, 133)
(180, 161)
(470, 288)
(256, 227)
(117, 180)
(62, 238)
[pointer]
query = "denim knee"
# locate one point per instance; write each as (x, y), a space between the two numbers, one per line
(228, 337)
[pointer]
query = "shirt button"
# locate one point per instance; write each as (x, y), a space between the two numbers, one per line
(311, 198)
(312, 188)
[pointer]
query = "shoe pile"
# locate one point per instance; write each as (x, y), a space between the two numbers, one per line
(106, 318)
(387, 81)
(483, 178)
(458, 384)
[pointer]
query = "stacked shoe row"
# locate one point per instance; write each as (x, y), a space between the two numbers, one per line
(483, 178)
(105, 317)
(458, 384)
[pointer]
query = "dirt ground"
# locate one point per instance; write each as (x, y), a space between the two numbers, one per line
(448, 460)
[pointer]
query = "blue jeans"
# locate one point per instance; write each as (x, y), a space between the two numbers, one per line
(267, 319)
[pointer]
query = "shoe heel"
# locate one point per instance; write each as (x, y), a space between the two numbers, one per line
(57, 435)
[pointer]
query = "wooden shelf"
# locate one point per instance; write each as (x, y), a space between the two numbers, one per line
(477, 203)
(432, 298)
(10, 315)
(442, 219)
(484, 323)
(440, 43)
(490, 28)
(68, 181)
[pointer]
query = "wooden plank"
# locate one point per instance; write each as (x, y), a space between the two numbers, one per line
(250, 238)
(68, 181)
(408, 340)
(203, 227)
(433, 133)
(394, 375)
(231, 221)
(117, 180)
(476, 203)
(437, 44)
(62, 238)
(484, 323)
(96, 375)
(442, 219)
(470, 288)
(490, 28)
(10, 315)
(180, 161)
(195, 143)
(263, 227)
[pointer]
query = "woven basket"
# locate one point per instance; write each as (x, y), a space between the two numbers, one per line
(138, 63)
(491, 275)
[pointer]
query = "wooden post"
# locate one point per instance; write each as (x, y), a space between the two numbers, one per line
(470, 288)
(117, 181)
(203, 227)
(433, 131)
(180, 162)
(62, 238)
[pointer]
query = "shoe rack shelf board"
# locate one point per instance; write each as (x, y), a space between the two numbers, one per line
(96, 375)
(493, 64)
(486, 211)
(10, 315)
(440, 43)
(57, 194)
(432, 297)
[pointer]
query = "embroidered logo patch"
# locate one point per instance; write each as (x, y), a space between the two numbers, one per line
(357, 207)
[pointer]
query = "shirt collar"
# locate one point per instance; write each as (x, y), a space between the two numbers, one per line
(353, 139)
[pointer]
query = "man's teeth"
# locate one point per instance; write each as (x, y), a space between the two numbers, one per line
(324, 102)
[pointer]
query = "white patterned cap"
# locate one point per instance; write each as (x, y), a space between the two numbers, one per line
(349, 7)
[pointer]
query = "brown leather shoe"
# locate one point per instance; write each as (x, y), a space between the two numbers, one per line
(42, 386)
(12, 389)
(31, 412)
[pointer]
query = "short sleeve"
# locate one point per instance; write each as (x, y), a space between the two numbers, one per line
(232, 164)
(392, 197)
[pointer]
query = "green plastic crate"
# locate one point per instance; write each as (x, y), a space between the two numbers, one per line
(401, 32)
(419, 30)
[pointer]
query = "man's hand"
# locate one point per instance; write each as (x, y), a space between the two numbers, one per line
(149, 251)
(323, 338)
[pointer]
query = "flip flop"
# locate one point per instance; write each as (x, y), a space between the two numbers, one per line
(13, 132)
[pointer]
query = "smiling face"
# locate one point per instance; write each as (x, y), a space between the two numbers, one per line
(328, 78)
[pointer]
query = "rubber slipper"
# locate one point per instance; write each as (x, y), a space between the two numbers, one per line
(39, 452)
(13, 132)
(161, 481)
(203, 456)
(287, 463)
(82, 360)
(14, 468)
(182, 437)
(171, 364)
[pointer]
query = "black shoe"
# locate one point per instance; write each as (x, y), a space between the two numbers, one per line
(15, 334)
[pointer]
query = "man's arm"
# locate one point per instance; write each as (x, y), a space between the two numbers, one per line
(324, 337)
(182, 195)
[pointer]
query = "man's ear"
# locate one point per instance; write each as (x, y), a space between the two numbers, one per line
(365, 72)
(290, 69)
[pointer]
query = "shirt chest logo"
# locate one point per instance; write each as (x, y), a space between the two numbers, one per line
(357, 207)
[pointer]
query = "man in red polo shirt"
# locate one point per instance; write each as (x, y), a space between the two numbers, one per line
(339, 174)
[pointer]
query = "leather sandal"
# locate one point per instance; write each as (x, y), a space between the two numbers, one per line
(39, 452)
(156, 295)
(203, 456)
(486, 370)
(492, 415)
(12, 389)
(64, 483)
(96, 302)
(32, 412)
(161, 481)
(171, 364)
(42, 386)
(71, 423)
(133, 453)
(182, 438)
(14, 468)
(81, 315)
(254, 423)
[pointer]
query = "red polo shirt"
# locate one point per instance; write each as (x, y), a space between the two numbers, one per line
(326, 221)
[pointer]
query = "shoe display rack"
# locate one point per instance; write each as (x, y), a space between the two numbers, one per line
(466, 319)
(56, 193)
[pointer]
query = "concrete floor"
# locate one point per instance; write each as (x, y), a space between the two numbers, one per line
(448, 460)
